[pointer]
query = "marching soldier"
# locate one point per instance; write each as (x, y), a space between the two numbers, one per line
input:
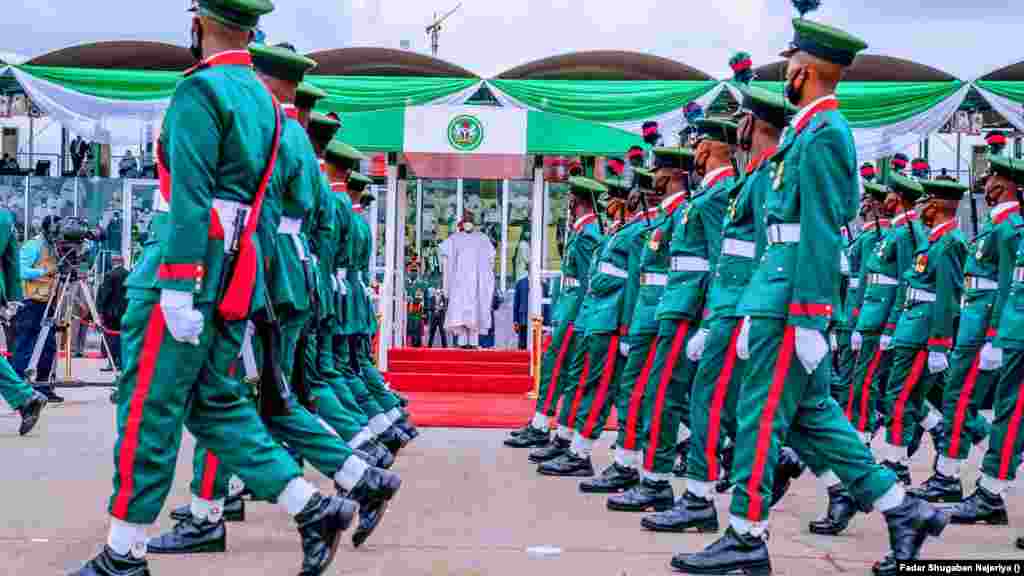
(613, 287)
(584, 238)
(735, 248)
(924, 334)
(987, 281)
(186, 317)
(788, 305)
(1004, 353)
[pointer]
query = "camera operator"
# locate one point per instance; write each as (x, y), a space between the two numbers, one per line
(39, 274)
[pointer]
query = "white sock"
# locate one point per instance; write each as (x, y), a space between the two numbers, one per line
(683, 434)
(829, 479)
(296, 495)
(892, 498)
(933, 419)
(700, 489)
(351, 472)
(395, 414)
(361, 438)
(654, 476)
(949, 466)
(125, 538)
(564, 432)
(744, 526)
(539, 422)
(235, 486)
(894, 454)
(581, 446)
(994, 485)
(380, 424)
(209, 510)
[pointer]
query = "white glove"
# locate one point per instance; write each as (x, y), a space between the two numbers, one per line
(743, 341)
(991, 358)
(623, 349)
(856, 341)
(184, 322)
(833, 342)
(695, 348)
(937, 362)
(811, 348)
(885, 342)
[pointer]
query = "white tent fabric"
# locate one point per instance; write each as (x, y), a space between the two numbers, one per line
(670, 123)
(875, 143)
(1012, 111)
(458, 98)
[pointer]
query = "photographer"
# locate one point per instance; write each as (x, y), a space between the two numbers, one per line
(39, 273)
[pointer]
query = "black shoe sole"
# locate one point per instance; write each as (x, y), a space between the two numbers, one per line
(761, 569)
(574, 474)
(827, 532)
(210, 548)
(535, 460)
(362, 534)
(232, 517)
(514, 443)
(1020, 543)
(654, 507)
(943, 499)
(347, 512)
(997, 521)
(599, 490)
(701, 528)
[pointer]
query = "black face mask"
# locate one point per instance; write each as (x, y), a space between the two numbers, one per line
(793, 94)
(695, 180)
(196, 48)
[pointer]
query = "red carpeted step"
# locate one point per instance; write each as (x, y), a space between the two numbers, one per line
(478, 367)
(460, 383)
(455, 410)
(457, 355)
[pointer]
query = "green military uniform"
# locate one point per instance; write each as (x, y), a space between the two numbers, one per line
(880, 309)
(15, 391)
(925, 330)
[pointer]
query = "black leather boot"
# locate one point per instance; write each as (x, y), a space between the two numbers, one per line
(393, 439)
(110, 563)
(788, 468)
(982, 507)
(30, 412)
(647, 496)
(373, 493)
(532, 438)
(191, 536)
(234, 511)
(901, 471)
(915, 441)
(380, 457)
(841, 509)
(613, 480)
(724, 483)
(567, 465)
(407, 428)
(910, 524)
(732, 553)
(682, 450)
(320, 525)
(1020, 542)
(690, 512)
(557, 447)
(940, 488)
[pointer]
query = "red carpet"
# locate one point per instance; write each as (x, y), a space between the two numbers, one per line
(462, 371)
(459, 410)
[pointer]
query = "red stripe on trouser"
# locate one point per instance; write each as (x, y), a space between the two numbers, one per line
(659, 399)
(579, 391)
(1012, 429)
(602, 388)
(209, 476)
(900, 408)
(717, 402)
(147, 365)
(865, 391)
(764, 427)
(961, 406)
(637, 396)
(558, 368)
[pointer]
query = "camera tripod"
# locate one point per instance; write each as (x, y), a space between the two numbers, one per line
(57, 318)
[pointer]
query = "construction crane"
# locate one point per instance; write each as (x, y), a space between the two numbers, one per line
(434, 29)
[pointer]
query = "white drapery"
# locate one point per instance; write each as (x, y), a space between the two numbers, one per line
(1012, 111)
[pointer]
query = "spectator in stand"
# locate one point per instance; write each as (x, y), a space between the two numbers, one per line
(38, 272)
(112, 302)
(78, 149)
(129, 166)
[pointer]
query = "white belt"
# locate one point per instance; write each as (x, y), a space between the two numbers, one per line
(882, 280)
(159, 204)
(1018, 274)
(289, 225)
(742, 248)
(844, 264)
(612, 270)
(653, 279)
(854, 283)
(340, 276)
(976, 283)
(783, 234)
(225, 209)
(252, 372)
(915, 295)
(690, 264)
(570, 282)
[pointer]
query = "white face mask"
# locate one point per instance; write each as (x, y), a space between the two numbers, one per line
(467, 227)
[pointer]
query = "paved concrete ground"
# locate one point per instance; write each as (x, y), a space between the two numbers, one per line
(468, 507)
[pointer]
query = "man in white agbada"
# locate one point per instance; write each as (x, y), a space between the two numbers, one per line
(467, 259)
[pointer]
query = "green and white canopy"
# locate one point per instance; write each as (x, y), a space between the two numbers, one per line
(1006, 97)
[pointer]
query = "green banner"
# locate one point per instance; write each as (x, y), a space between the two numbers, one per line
(364, 93)
(555, 134)
(1007, 89)
(135, 85)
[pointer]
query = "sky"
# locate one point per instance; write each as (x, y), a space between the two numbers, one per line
(489, 37)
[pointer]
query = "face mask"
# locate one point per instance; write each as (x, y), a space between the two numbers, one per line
(197, 42)
(695, 180)
(793, 94)
(746, 136)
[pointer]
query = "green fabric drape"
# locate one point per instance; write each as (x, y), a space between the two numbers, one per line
(1010, 90)
(374, 131)
(364, 93)
(605, 100)
(135, 85)
(555, 134)
(874, 104)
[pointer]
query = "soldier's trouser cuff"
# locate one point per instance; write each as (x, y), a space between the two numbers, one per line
(296, 495)
(746, 527)
(892, 498)
(380, 424)
(539, 422)
(351, 472)
(627, 458)
(127, 538)
(700, 488)
(364, 436)
(581, 446)
(949, 466)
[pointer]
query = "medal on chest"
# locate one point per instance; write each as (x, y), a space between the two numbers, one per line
(980, 254)
(922, 263)
(778, 172)
(686, 214)
(732, 208)
(655, 242)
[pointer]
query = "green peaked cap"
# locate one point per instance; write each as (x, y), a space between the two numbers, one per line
(876, 191)
(617, 187)
(357, 181)
(1004, 166)
(322, 128)
(644, 178)
(674, 157)
(280, 62)
(943, 190)
(765, 105)
(716, 129)
(583, 186)
(243, 14)
(908, 188)
(306, 96)
(342, 155)
(823, 41)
